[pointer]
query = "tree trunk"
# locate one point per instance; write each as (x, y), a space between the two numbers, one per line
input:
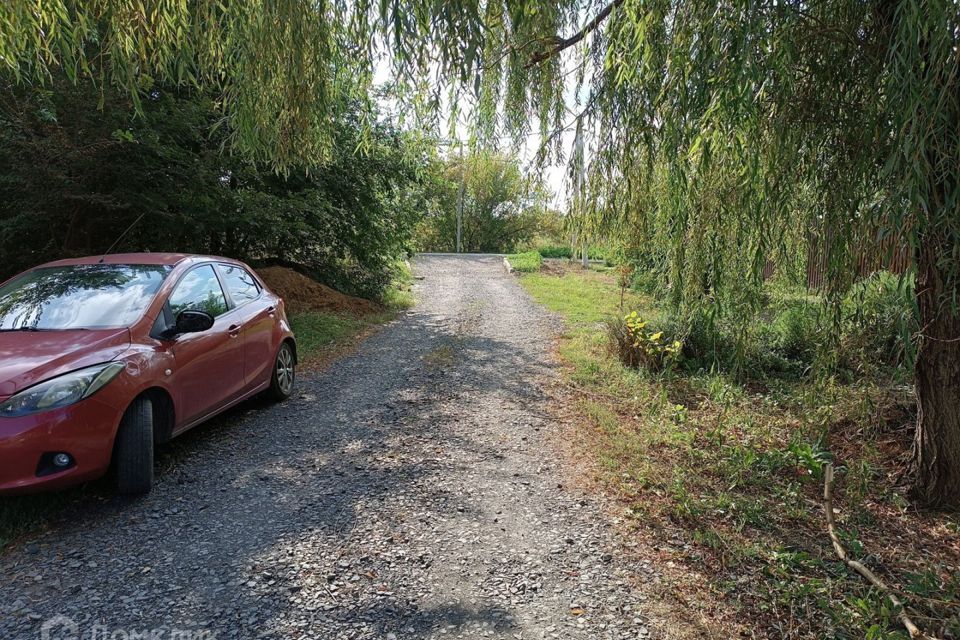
(935, 465)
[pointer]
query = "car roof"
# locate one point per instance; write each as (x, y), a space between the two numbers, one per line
(162, 259)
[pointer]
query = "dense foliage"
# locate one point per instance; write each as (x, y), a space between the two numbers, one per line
(501, 207)
(74, 176)
(795, 334)
(279, 69)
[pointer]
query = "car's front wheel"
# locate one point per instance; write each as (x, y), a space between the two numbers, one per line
(133, 451)
(284, 374)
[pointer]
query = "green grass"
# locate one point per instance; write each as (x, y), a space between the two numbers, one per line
(584, 299)
(318, 331)
(736, 471)
(526, 262)
(399, 294)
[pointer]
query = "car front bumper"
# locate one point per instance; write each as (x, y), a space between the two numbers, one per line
(85, 431)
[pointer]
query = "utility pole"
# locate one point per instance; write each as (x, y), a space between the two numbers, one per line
(463, 186)
(580, 166)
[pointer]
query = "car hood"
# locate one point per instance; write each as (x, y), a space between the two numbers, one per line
(29, 357)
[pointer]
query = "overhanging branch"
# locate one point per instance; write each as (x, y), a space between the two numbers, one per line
(558, 44)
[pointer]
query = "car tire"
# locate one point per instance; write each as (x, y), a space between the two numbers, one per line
(133, 451)
(284, 374)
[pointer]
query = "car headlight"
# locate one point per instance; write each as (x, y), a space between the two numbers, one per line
(61, 391)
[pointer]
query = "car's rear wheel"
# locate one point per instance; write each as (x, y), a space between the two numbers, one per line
(284, 374)
(133, 451)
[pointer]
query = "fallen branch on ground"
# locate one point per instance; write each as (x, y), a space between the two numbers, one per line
(859, 567)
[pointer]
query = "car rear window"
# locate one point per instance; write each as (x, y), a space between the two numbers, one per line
(240, 284)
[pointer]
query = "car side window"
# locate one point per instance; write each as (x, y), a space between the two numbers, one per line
(242, 286)
(199, 290)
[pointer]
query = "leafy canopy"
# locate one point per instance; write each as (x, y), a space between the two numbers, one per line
(74, 176)
(501, 207)
(283, 70)
(754, 124)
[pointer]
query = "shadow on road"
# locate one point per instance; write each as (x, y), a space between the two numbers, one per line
(259, 518)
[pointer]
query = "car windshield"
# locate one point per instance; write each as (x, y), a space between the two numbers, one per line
(94, 296)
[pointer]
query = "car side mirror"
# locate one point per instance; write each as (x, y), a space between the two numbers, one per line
(191, 321)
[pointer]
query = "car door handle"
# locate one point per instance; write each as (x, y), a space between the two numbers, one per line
(233, 330)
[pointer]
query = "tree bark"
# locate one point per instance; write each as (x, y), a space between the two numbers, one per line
(935, 464)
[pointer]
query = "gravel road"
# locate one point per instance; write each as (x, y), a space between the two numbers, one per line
(412, 490)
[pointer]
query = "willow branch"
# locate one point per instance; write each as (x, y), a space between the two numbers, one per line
(512, 49)
(859, 567)
(559, 44)
(576, 119)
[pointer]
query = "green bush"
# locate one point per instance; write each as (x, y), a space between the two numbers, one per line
(76, 170)
(706, 345)
(794, 331)
(879, 318)
(526, 262)
(555, 251)
(781, 342)
(645, 281)
(568, 253)
(596, 253)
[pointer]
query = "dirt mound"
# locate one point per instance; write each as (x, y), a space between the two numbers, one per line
(303, 294)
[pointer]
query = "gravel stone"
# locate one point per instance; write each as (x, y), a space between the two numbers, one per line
(409, 491)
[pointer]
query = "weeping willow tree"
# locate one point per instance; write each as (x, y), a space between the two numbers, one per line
(731, 132)
(283, 69)
(726, 132)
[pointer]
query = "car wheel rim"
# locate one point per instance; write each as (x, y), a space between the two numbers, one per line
(285, 370)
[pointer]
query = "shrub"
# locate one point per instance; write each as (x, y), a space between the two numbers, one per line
(567, 253)
(776, 346)
(555, 251)
(596, 253)
(704, 345)
(526, 262)
(879, 319)
(637, 346)
(646, 281)
(794, 332)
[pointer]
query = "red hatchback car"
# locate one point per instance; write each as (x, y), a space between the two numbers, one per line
(102, 358)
